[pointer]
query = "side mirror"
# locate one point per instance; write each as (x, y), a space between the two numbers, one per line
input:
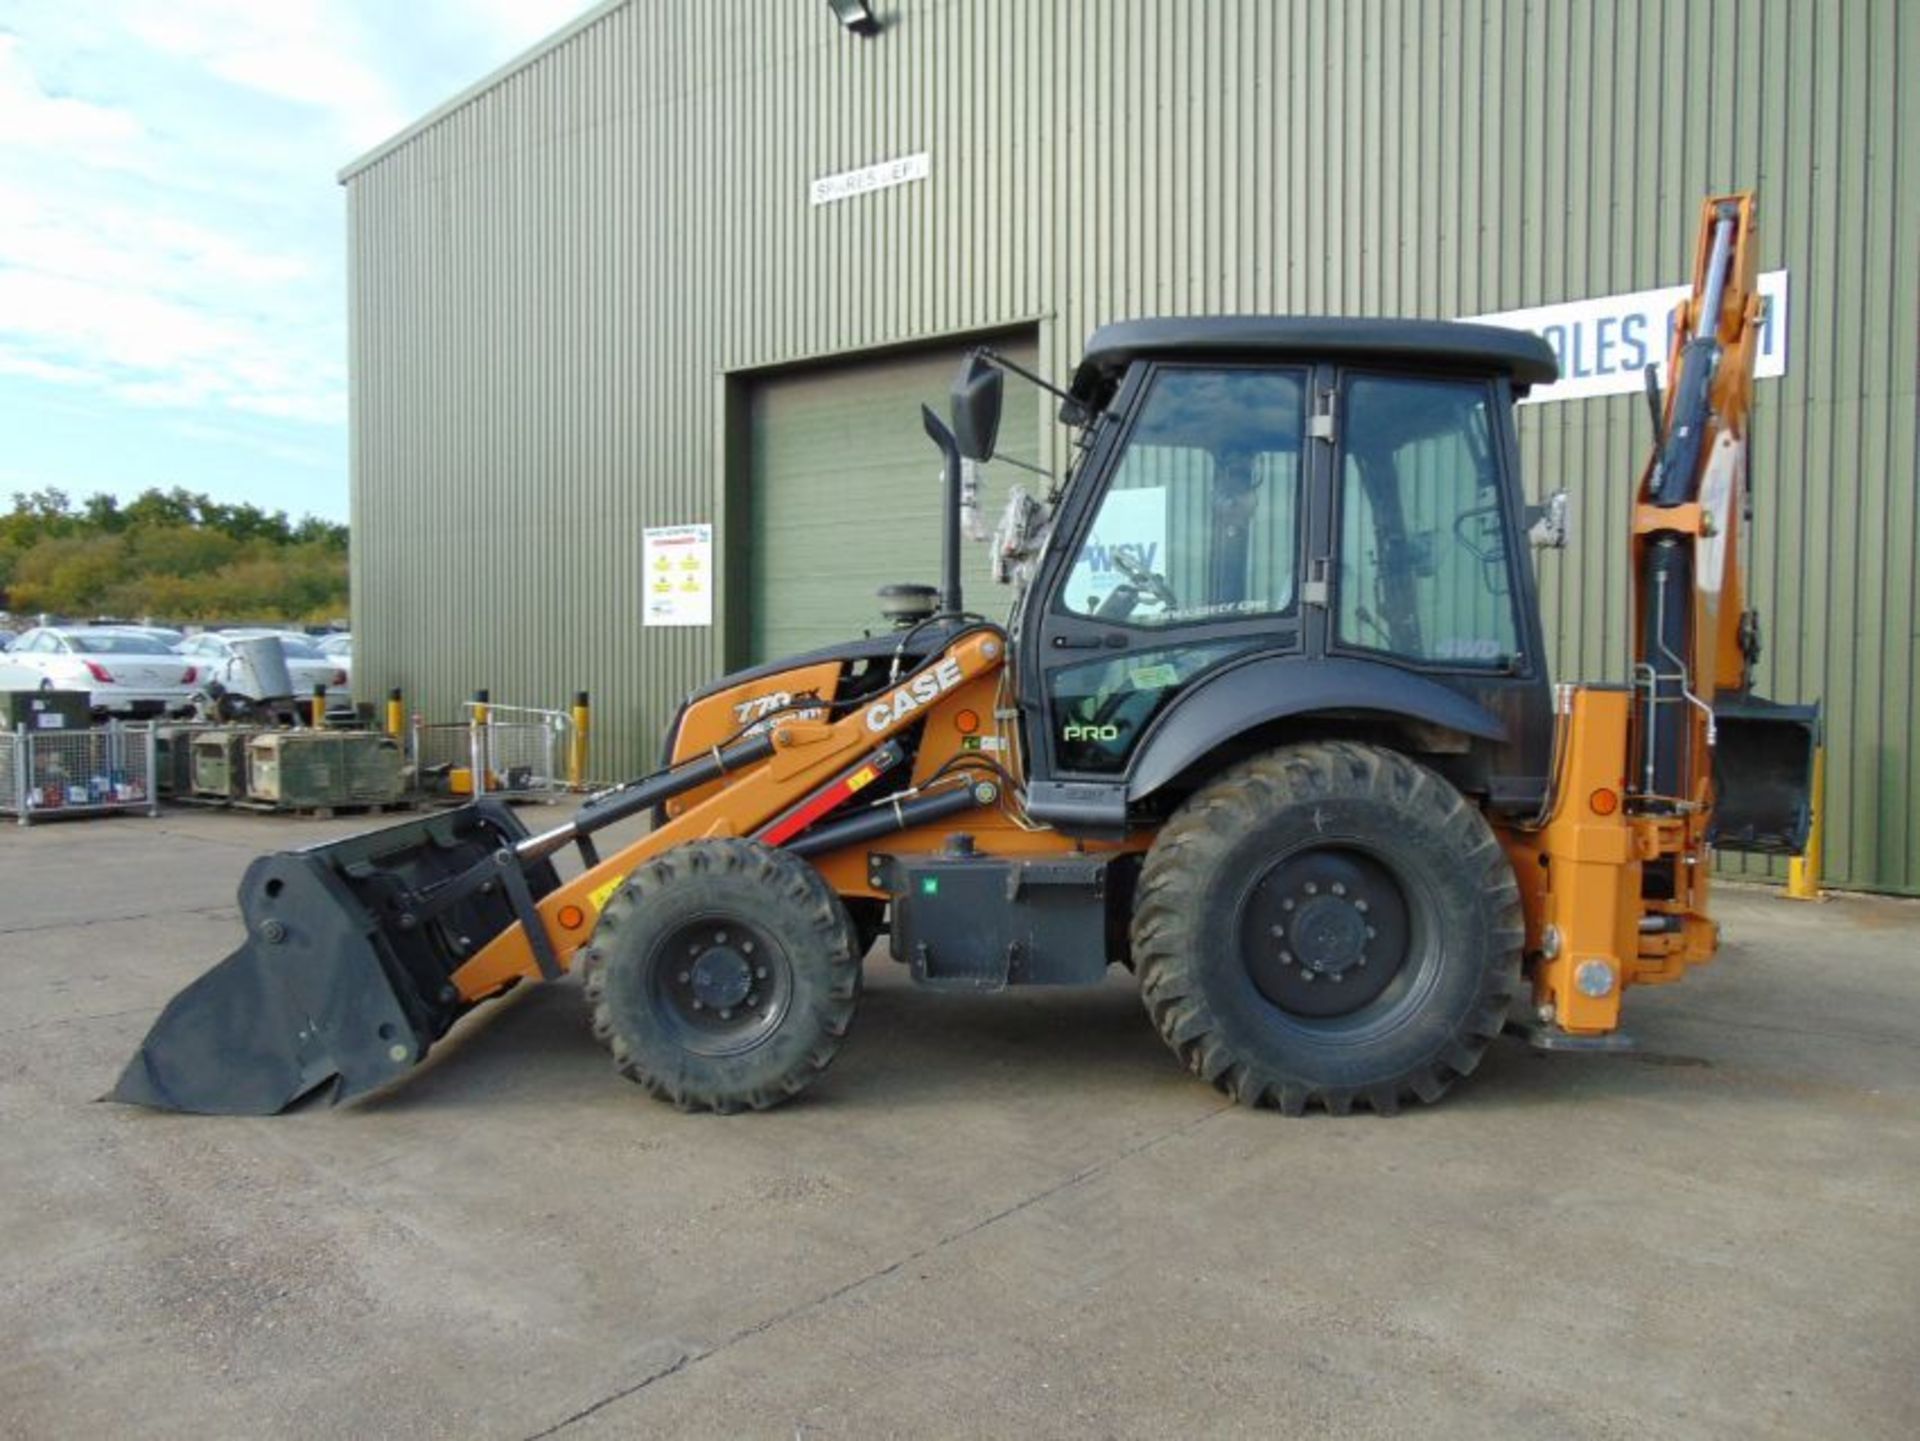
(976, 406)
(1548, 522)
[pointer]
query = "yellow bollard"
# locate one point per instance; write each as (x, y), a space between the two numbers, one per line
(1803, 871)
(319, 707)
(577, 749)
(396, 713)
(480, 744)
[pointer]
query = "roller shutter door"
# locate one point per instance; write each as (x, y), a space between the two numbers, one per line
(844, 494)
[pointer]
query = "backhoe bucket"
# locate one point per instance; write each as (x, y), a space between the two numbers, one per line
(1763, 775)
(344, 980)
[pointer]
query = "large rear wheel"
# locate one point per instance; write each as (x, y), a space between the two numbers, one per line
(723, 975)
(1328, 924)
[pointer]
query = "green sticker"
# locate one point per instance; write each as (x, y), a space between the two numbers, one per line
(1154, 677)
(930, 885)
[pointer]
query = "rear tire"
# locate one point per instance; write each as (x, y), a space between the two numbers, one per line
(1328, 924)
(723, 975)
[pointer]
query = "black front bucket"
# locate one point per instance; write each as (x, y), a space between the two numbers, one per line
(345, 977)
(1763, 775)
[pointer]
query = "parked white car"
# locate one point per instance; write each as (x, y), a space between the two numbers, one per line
(123, 671)
(216, 654)
(339, 648)
(165, 634)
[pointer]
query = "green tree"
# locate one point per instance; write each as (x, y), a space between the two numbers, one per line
(175, 554)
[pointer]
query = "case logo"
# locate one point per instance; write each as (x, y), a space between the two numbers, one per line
(916, 693)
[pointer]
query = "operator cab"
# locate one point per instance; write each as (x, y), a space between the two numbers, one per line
(1280, 525)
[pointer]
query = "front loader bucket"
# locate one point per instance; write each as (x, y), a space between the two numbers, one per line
(344, 980)
(1763, 775)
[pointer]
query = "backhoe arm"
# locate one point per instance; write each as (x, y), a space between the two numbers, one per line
(1693, 635)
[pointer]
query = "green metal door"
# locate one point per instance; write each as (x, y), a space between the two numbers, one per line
(844, 494)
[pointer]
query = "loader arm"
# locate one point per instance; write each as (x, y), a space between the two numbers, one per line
(361, 954)
(805, 755)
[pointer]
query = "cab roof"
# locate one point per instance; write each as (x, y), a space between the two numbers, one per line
(1523, 357)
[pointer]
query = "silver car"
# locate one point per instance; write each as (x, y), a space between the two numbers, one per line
(123, 672)
(219, 659)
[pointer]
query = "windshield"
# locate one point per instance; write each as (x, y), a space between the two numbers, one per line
(1200, 520)
(107, 642)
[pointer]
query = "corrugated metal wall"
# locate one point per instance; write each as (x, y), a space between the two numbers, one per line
(553, 278)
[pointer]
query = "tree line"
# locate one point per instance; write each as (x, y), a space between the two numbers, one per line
(173, 554)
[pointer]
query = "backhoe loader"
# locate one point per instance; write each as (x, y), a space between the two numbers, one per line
(1269, 724)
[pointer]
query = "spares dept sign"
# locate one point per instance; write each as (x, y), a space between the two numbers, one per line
(1604, 345)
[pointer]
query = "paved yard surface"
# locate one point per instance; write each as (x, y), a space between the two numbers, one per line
(996, 1217)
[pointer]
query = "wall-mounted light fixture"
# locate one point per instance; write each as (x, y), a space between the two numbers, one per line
(856, 15)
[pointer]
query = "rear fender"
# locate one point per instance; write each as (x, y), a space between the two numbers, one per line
(1240, 699)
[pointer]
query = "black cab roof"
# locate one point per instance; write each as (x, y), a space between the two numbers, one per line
(1523, 357)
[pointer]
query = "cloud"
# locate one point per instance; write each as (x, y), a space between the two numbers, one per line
(163, 311)
(297, 51)
(31, 117)
(36, 369)
(171, 234)
(513, 25)
(133, 260)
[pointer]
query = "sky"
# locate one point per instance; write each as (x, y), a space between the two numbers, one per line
(173, 235)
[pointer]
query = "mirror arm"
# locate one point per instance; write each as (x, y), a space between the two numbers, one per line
(1069, 402)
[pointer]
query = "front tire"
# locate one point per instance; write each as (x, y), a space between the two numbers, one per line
(723, 975)
(1328, 924)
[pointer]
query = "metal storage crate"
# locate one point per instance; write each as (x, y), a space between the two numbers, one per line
(77, 773)
(173, 759)
(220, 763)
(318, 770)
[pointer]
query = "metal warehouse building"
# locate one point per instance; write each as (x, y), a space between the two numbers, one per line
(698, 264)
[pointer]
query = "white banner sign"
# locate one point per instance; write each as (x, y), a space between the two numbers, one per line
(1131, 520)
(679, 574)
(829, 188)
(1604, 345)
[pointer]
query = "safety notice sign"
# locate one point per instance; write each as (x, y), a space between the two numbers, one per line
(679, 574)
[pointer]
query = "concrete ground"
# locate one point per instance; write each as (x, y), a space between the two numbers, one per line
(1001, 1216)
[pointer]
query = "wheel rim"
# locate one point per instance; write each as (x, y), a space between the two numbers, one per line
(720, 986)
(1333, 937)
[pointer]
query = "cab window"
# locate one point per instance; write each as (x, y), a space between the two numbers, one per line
(1424, 560)
(1200, 520)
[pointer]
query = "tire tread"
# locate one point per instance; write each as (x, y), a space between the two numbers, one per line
(756, 868)
(1164, 920)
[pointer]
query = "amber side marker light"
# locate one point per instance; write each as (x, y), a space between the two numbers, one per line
(966, 722)
(1604, 802)
(572, 918)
